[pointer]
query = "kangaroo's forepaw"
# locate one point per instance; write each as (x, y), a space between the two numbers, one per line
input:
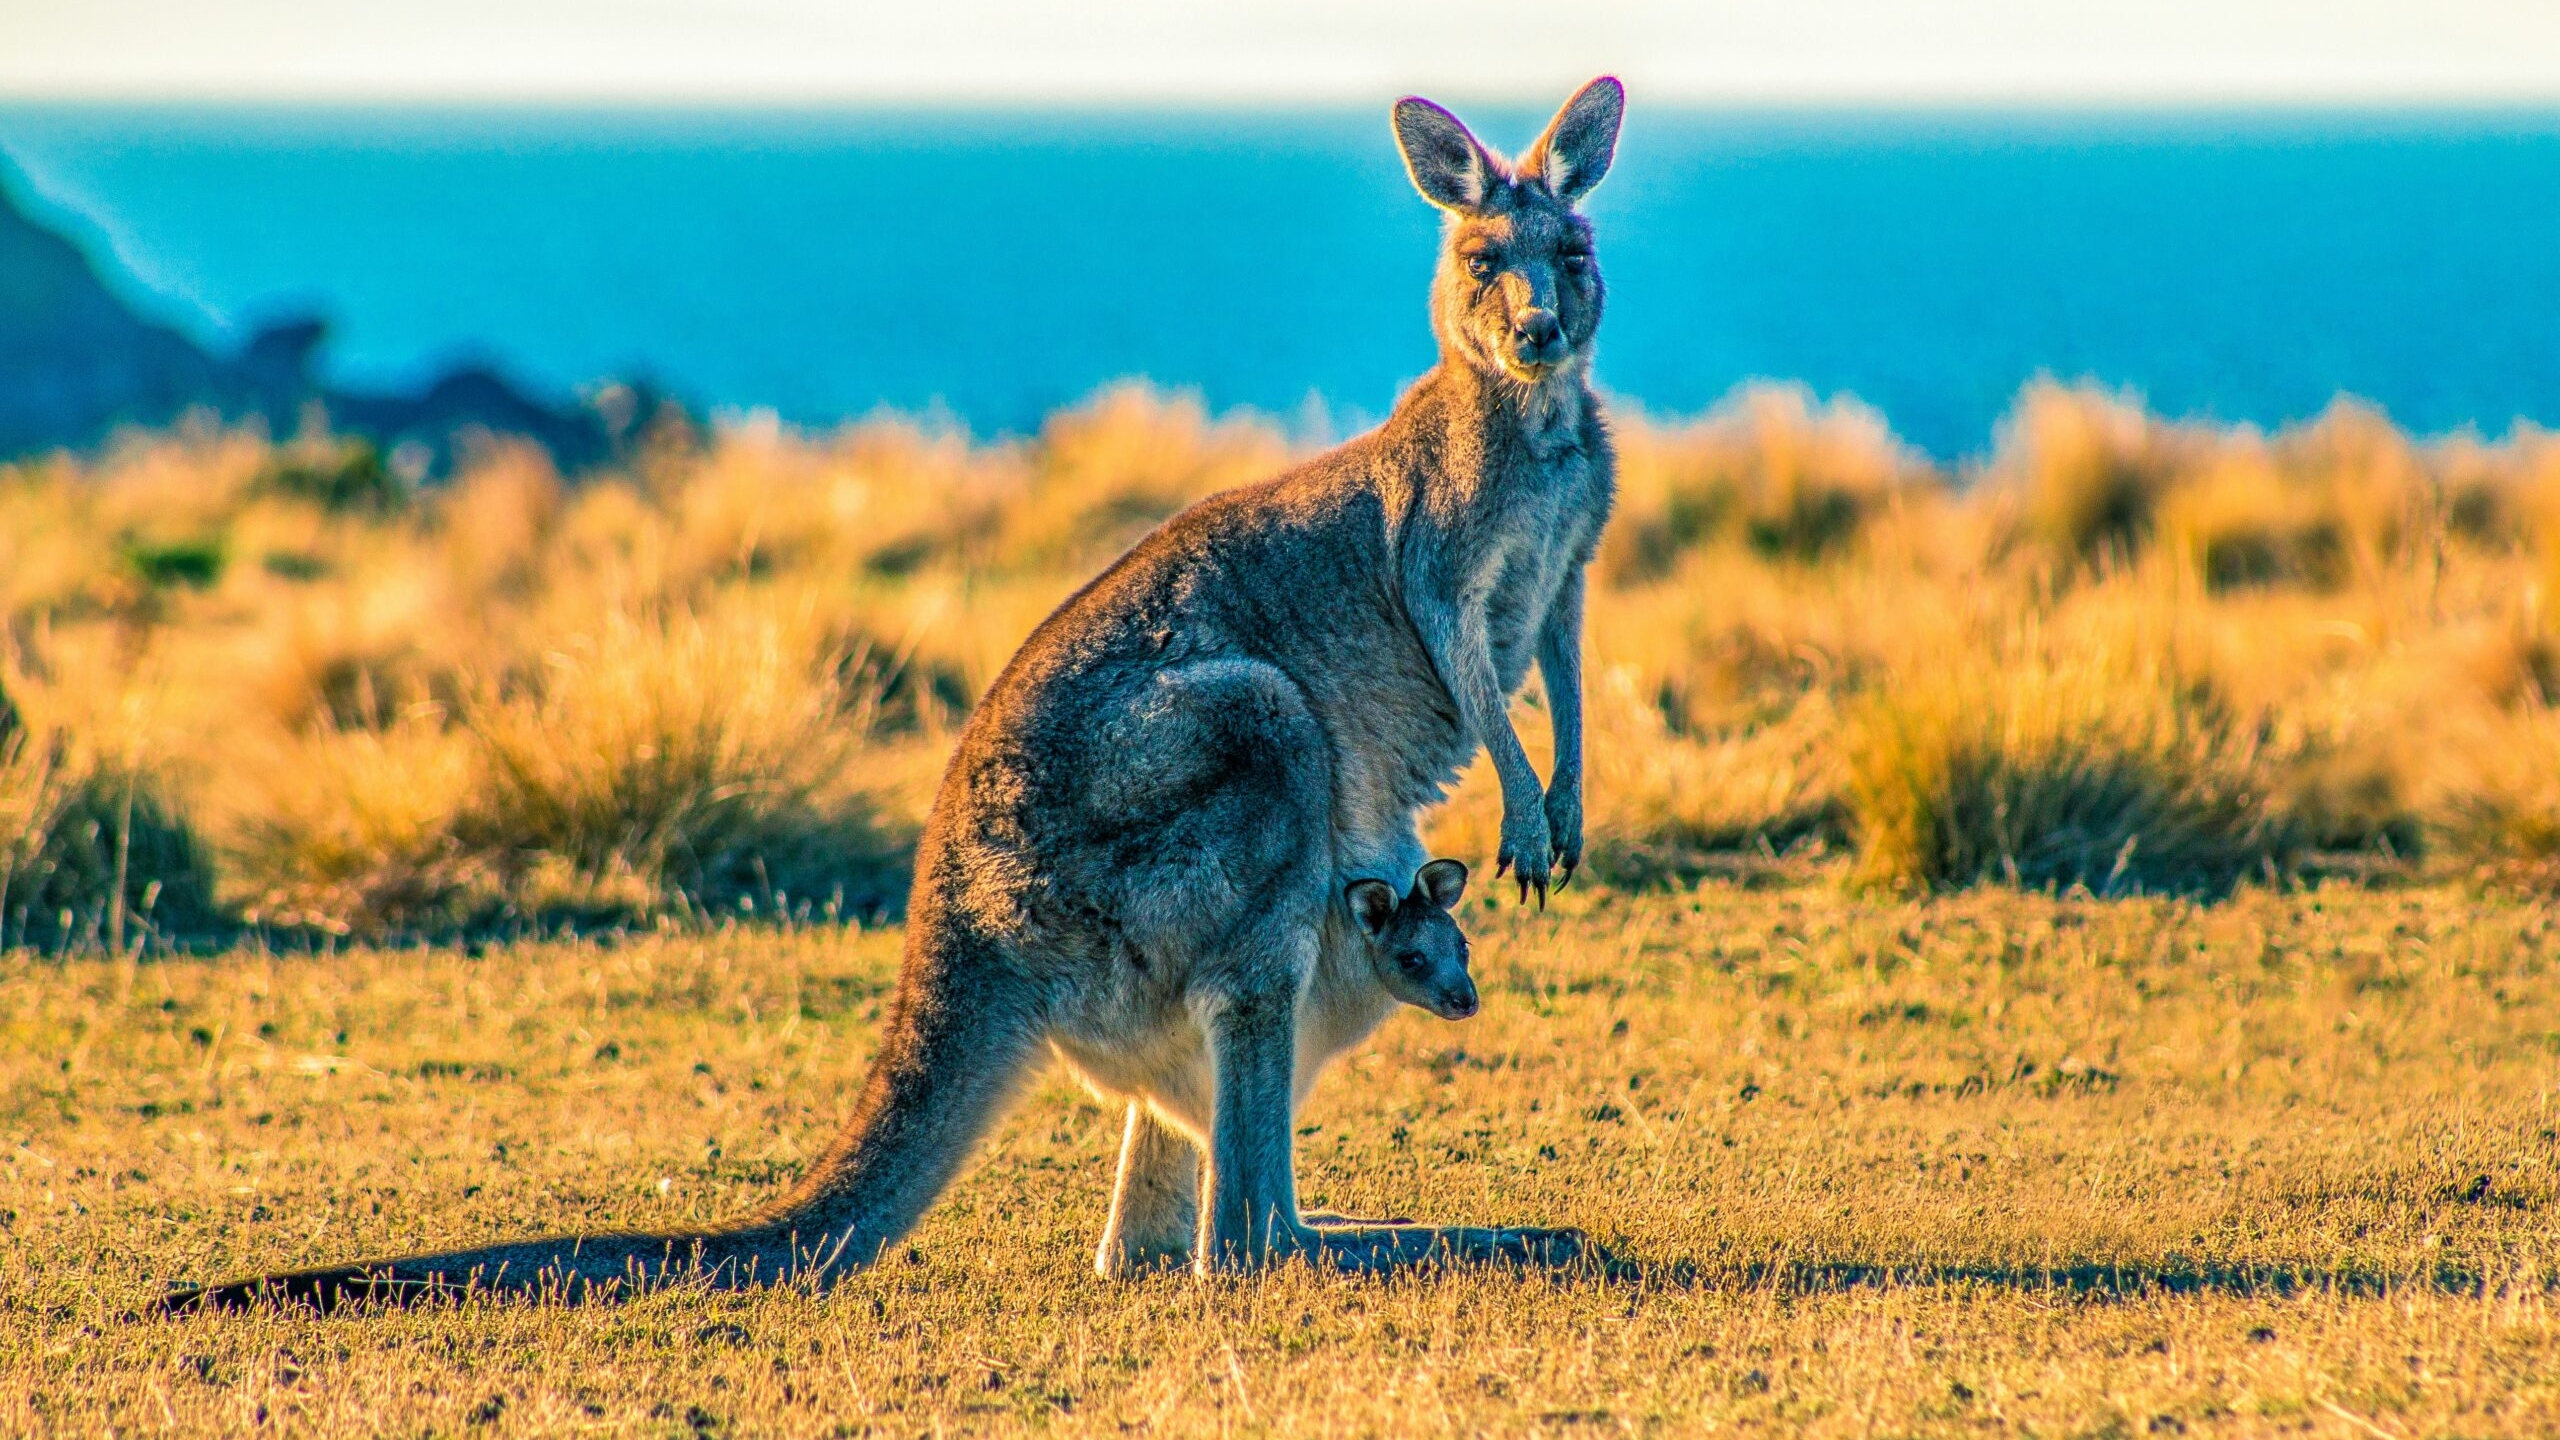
(1526, 851)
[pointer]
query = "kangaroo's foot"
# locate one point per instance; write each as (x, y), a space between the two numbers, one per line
(1327, 1220)
(1381, 1248)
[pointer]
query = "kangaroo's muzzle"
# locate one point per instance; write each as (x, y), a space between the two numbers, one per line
(1537, 340)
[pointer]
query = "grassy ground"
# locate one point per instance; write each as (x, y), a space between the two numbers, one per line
(1976, 1164)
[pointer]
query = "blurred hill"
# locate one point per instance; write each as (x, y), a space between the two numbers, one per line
(77, 363)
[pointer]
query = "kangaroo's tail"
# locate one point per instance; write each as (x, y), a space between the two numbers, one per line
(959, 1042)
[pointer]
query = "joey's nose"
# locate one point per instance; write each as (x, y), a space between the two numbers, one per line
(1461, 1005)
(1535, 330)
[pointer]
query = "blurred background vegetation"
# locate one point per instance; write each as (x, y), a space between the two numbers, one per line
(267, 685)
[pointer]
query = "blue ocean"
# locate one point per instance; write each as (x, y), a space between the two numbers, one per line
(991, 266)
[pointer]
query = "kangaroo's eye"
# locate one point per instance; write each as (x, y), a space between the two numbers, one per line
(1577, 261)
(1413, 962)
(1480, 266)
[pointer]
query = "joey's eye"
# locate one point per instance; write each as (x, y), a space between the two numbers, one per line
(1480, 266)
(1577, 261)
(1413, 962)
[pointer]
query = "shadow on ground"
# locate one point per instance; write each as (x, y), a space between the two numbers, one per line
(2090, 1279)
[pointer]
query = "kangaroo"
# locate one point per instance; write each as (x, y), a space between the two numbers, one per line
(1415, 946)
(1134, 857)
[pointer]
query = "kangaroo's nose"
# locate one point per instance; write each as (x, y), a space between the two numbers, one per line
(1535, 329)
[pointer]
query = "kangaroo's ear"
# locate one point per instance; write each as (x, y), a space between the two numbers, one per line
(1447, 165)
(1373, 904)
(1575, 152)
(1442, 882)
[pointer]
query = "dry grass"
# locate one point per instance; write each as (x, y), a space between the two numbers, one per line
(1994, 1162)
(1975, 1159)
(1772, 471)
(93, 848)
(2058, 763)
(706, 761)
(355, 711)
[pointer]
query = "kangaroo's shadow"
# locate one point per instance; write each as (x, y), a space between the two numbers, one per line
(2097, 1280)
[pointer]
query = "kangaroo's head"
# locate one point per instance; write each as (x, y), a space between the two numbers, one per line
(1518, 292)
(1415, 944)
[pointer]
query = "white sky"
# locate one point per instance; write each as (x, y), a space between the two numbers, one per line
(1278, 50)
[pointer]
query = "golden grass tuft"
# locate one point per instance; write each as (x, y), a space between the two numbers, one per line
(1104, 473)
(2499, 818)
(681, 765)
(699, 762)
(2085, 470)
(1666, 808)
(1771, 469)
(354, 832)
(1683, 807)
(94, 851)
(2057, 766)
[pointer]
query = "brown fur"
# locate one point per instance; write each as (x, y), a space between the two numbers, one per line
(1137, 851)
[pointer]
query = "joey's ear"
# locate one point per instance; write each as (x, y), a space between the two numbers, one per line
(1447, 165)
(1442, 882)
(1575, 152)
(1373, 904)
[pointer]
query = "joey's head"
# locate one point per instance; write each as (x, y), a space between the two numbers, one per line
(1415, 943)
(1518, 292)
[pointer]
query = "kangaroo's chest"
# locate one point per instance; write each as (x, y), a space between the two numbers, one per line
(1536, 536)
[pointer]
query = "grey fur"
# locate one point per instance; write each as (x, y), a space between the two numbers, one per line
(1416, 950)
(1136, 853)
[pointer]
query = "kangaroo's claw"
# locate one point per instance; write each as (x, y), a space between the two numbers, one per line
(1542, 894)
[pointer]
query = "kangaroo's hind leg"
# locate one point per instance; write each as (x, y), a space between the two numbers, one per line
(1155, 1206)
(1249, 1216)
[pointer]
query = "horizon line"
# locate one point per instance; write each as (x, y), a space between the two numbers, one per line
(1953, 101)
